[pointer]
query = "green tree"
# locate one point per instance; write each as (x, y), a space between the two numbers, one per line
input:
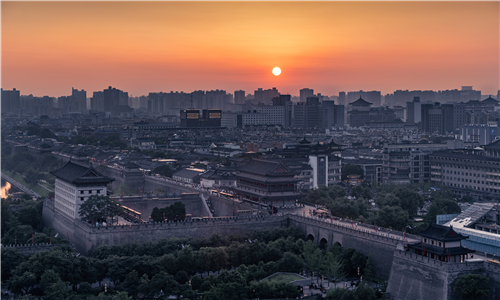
(11, 258)
(164, 170)
(99, 208)
(131, 283)
(349, 169)
(441, 207)
(29, 215)
(392, 217)
(472, 286)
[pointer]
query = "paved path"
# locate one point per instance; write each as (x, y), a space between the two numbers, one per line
(19, 185)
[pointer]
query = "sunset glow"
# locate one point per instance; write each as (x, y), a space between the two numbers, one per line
(276, 71)
(142, 47)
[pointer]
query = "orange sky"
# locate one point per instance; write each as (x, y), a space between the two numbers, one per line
(142, 47)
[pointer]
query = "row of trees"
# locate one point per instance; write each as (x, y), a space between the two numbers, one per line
(397, 204)
(174, 212)
(30, 168)
(180, 266)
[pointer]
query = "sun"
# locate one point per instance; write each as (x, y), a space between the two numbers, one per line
(276, 71)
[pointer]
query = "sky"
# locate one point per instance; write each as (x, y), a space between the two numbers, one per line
(141, 47)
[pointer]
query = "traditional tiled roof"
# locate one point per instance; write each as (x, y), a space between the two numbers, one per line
(77, 173)
(360, 102)
(187, 173)
(494, 145)
(442, 233)
(490, 101)
(265, 168)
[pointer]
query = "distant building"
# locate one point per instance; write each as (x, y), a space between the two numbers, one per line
(80, 99)
(306, 93)
(333, 115)
(413, 111)
(97, 101)
(406, 163)
(188, 175)
(359, 114)
(479, 134)
(323, 161)
(191, 118)
(267, 182)
(374, 97)
(239, 97)
(265, 96)
(470, 172)
(11, 101)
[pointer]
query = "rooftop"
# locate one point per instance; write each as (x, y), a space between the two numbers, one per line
(78, 173)
(441, 233)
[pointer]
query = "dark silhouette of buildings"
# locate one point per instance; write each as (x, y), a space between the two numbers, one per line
(10, 101)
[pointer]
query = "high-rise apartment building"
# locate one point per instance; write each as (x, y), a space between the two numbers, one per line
(265, 96)
(333, 115)
(11, 101)
(80, 99)
(97, 101)
(239, 97)
(306, 93)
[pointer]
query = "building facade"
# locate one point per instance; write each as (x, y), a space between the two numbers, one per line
(75, 183)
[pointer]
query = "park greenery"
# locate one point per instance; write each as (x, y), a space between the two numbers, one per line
(396, 206)
(163, 171)
(174, 212)
(31, 169)
(21, 222)
(472, 286)
(218, 267)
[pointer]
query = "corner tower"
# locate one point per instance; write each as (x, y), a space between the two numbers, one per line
(75, 183)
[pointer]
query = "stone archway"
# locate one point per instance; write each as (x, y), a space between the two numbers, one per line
(323, 244)
(310, 237)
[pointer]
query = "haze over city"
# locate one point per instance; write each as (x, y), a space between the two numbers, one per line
(142, 47)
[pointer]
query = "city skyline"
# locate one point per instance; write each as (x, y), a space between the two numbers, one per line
(48, 47)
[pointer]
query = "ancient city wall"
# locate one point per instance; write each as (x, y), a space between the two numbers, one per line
(418, 277)
(381, 248)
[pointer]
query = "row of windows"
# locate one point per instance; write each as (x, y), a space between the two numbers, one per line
(478, 188)
(89, 192)
(463, 160)
(66, 210)
(65, 187)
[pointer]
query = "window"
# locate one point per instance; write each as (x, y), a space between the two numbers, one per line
(81, 198)
(98, 191)
(81, 192)
(90, 192)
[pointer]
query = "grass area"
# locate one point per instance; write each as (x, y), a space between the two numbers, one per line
(284, 278)
(36, 188)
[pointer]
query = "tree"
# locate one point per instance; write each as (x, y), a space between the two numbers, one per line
(164, 170)
(131, 282)
(99, 208)
(11, 258)
(174, 212)
(349, 169)
(472, 286)
(441, 207)
(392, 217)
